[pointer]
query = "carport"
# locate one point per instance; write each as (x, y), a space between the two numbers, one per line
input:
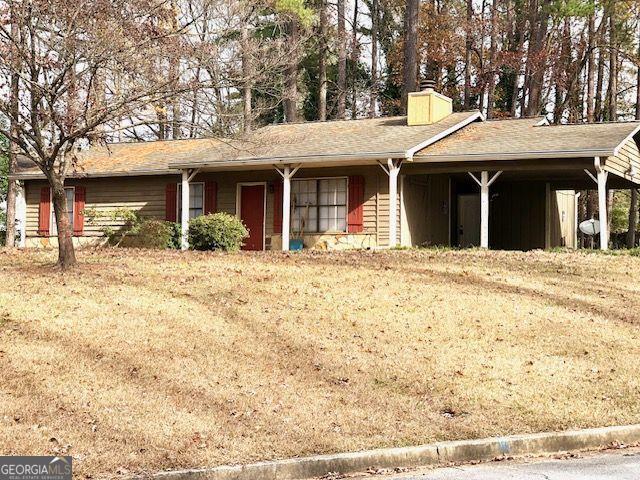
(527, 161)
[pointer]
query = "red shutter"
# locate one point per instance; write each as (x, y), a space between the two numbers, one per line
(78, 210)
(277, 207)
(356, 199)
(44, 218)
(171, 202)
(210, 196)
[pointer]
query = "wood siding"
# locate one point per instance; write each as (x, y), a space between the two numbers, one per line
(147, 195)
(143, 194)
(626, 163)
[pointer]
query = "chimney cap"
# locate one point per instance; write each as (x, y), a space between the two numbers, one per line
(427, 84)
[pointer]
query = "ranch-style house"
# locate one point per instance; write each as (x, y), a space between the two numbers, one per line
(433, 177)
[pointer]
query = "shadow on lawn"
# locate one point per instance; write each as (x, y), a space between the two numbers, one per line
(465, 279)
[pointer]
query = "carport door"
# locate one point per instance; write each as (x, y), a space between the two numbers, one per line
(252, 215)
(468, 220)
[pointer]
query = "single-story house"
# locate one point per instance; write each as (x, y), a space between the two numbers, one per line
(434, 177)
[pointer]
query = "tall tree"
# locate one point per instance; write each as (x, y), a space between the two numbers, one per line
(322, 63)
(410, 65)
(342, 61)
(373, 100)
(493, 55)
(591, 69)
(467, 58)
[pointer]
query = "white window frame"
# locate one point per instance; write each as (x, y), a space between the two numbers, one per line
(346, 215)
(53, 229)
(178, 199)
(239, 186)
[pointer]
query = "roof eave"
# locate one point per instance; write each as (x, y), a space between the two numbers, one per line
(309, 159)
(409, 154)
(482, 157)
(122, 173)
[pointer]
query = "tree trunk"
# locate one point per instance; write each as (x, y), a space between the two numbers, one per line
(355, 55)
(467, 59)
(66, 252)
(322, 64)
(491, 87)
(633, 219)
(12, 185)
(613, 66)
(342, 62)
(537, 55)
(598, 110)
(246, 74)
(374, 59)
(633, 206)
(591, 70)
(410, 68)
(291, 76)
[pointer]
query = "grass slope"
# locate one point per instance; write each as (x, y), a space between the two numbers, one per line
(147, 360)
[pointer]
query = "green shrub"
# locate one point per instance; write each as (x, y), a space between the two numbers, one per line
(135, 231)
(176, 235)
(217, 231)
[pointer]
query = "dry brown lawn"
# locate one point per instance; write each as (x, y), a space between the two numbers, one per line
(140, 361)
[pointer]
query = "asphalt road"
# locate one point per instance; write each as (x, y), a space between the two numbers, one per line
(619, 465)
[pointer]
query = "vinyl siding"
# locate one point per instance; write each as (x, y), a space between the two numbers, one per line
(626, 163)
(147, 196)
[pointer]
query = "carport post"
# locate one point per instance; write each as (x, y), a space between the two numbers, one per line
(184, 209)
(484, 209)
(484, 183)
(602, 205)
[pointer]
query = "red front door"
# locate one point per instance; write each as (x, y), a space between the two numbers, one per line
(252, 215)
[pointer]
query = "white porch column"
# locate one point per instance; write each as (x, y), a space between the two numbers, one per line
(484, 210)
(601, 181)
(21, 215)
(286, 208)
(394, 170)
(287, 174)
(184, 208)
(484, 183)
(602, 209)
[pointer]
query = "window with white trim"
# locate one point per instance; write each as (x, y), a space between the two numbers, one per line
(319, 205)
(70, 193)
(196, 200)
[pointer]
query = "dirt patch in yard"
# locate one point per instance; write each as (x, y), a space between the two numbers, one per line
(140, 361)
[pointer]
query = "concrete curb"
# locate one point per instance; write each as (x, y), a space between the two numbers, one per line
(441, 453)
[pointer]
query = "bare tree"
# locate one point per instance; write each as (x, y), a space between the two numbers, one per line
(63, 48)
(13, 115)
(342, 61)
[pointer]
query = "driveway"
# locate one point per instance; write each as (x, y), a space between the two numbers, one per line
(617, 464)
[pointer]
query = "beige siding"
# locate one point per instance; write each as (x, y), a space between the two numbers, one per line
(626, 163)
(425, 212)
(147, 195)
(143, 194)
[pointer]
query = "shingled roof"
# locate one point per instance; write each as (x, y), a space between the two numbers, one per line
(458, 137)
(530, 138)
(367, 139)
